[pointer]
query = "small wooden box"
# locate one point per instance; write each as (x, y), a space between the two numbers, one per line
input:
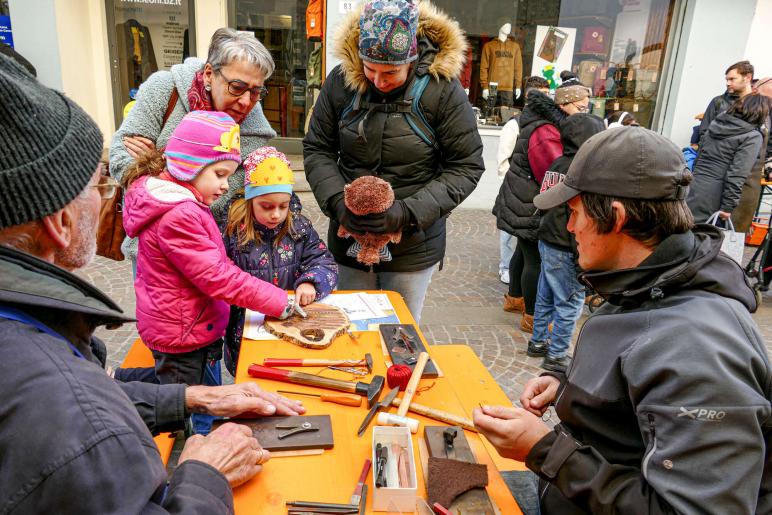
(394, 499)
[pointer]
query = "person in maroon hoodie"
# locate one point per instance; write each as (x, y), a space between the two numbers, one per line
(538, 145)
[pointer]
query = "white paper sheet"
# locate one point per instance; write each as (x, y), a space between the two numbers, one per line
(363, 309)
(356, 305)
(253, 327)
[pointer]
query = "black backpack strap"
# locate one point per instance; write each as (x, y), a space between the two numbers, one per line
(415, 117)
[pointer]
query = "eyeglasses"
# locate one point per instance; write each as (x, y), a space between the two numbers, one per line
(107, 187)
(239, 87)
(581, 108)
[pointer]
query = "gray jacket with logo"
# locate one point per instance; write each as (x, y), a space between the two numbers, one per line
(666, 407)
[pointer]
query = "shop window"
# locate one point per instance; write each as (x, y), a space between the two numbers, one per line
(144, 37)
(292, 30)
(616, 47)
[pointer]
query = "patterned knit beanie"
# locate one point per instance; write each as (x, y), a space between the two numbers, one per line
(201, 138)
(267, 170)
(49, 147)
(387, 32)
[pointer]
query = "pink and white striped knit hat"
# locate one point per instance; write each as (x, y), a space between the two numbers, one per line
(202, 138)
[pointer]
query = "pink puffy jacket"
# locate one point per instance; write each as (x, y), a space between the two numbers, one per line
(185, 280)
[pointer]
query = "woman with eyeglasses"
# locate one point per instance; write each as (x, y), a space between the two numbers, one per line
(538, 145)
(232, 80)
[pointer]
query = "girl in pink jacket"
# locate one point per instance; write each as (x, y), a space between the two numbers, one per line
(185, 280)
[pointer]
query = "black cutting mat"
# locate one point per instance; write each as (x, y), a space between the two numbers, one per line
(399, 352)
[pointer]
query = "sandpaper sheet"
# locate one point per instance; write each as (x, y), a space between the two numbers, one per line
(264, 429)
(476, 500)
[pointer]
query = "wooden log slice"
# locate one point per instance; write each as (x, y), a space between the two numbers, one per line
(323, 325)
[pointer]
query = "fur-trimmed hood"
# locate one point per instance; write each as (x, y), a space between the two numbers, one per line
(442, 46)
(541, 107)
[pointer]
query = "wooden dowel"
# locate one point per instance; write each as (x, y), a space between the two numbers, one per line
(442, 416)
(415, 377)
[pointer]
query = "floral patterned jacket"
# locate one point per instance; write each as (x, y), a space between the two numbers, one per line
(295, 260)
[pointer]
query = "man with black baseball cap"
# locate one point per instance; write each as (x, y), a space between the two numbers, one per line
(666, 405)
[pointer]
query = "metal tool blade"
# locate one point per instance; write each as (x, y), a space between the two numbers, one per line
(363, 501)
(385, 403)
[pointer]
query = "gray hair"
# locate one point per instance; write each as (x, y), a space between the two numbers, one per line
(229, 45)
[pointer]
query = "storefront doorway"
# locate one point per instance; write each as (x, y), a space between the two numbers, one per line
(144, 38)
(282, 26)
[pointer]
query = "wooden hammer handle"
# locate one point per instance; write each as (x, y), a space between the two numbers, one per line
(418, 371)
(442, 416)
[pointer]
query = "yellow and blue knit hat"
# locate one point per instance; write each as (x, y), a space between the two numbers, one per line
(267, 170)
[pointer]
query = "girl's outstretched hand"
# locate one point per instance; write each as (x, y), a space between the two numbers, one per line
(305, 294)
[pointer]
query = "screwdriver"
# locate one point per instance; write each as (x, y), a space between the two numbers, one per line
(346, 400)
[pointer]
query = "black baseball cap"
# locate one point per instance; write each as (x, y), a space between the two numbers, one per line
(625, 162)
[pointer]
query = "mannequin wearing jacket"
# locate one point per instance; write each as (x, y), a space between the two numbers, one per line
(502, 63)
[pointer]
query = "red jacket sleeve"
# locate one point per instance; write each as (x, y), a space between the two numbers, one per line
(544, 147)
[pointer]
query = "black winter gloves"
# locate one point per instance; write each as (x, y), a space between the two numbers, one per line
(391, 220)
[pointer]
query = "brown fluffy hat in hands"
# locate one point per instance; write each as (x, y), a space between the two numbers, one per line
(367, 195)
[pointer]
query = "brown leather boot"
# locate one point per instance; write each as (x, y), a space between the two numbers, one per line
(526, 323)
(513, 304)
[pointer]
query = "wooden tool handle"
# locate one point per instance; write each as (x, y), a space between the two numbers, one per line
(345, 400)
(278, 374)
(323, 382)
(415, 377)
(442, 416)
(279, 362)
(297, 362)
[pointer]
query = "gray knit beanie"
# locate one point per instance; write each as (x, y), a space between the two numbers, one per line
(49, 147)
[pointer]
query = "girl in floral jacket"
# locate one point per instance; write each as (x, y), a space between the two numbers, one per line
(267, 237)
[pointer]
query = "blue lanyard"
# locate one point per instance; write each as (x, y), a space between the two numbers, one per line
(20, 316)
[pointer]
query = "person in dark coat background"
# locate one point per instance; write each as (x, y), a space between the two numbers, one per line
(384, 47)
(538, 145)
(727, 155)
(739, 83)
(560, 295)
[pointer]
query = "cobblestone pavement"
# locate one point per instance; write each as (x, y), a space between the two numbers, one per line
(463, 304)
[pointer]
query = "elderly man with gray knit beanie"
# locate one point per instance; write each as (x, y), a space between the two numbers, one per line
(72, 439)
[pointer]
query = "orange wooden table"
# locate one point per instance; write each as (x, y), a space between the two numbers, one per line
(332, 476)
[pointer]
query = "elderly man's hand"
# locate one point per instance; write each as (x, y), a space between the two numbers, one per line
(538, 393)
(512, 431)
(239, 399)
(136, 146)
(231, 449)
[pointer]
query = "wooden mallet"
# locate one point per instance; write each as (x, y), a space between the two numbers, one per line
(400, 419)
